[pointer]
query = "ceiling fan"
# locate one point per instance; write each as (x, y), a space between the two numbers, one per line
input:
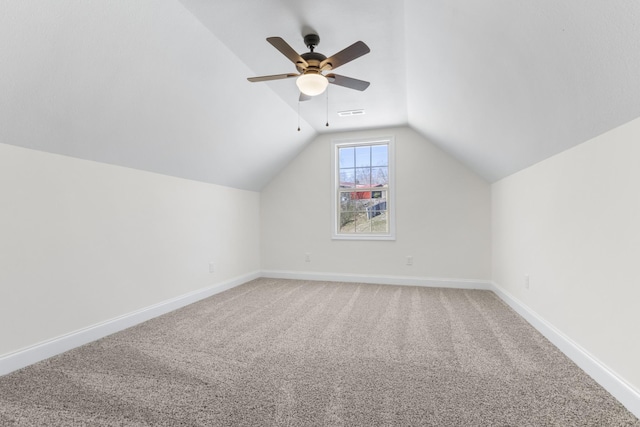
(311, 66)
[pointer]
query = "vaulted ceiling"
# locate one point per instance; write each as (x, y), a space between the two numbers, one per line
(160, 85)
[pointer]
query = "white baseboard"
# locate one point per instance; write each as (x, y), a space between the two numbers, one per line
(602, 374)
(380, 280)
(43, 350)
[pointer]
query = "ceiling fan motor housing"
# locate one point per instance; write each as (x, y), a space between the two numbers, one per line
(314, 59)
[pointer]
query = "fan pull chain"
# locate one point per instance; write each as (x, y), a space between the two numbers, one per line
(298, 114)
(327, 125)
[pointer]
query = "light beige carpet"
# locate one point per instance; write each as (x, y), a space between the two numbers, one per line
(294, 353)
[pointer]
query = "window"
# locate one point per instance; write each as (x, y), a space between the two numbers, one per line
(363, 204)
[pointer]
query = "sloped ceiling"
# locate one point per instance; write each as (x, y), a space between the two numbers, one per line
(505, 84)
(160, 85)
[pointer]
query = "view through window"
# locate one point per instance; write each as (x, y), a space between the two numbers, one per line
(363, 189)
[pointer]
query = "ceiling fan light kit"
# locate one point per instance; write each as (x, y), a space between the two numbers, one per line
(312, 84)
(311, 65)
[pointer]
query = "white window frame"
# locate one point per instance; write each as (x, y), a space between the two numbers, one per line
(391, 191)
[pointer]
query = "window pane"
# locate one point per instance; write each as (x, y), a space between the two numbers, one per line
(378, 216)
(379, 196)
(348, 203)
(347, 222)
(379, 155)
(360, 195)
(343, 198)
(380, 224)
(363, 156)
(347, 157)
(363, 176)
(379, 176)
(347, 178)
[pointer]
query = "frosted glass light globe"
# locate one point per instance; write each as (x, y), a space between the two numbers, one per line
(312, 84)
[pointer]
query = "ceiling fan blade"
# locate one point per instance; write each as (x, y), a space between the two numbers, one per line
(349, 82)
(304, 97)
(273, 77)
(287, 51)
(348, 54)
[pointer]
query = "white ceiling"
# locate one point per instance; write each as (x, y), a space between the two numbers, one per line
(160, 85)
(505, 84)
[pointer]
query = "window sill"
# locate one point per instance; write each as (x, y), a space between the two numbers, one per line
(363, 237)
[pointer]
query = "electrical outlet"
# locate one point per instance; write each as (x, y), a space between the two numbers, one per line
(307, 257)
(526, 281)
(212, 267)
(409, 260)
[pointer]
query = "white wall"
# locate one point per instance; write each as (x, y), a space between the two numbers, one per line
(83, 242)
(443, 216)
(572, 223)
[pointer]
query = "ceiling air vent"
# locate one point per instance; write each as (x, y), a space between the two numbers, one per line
(349, 113)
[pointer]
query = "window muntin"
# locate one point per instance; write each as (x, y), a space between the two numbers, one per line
(362, 189)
